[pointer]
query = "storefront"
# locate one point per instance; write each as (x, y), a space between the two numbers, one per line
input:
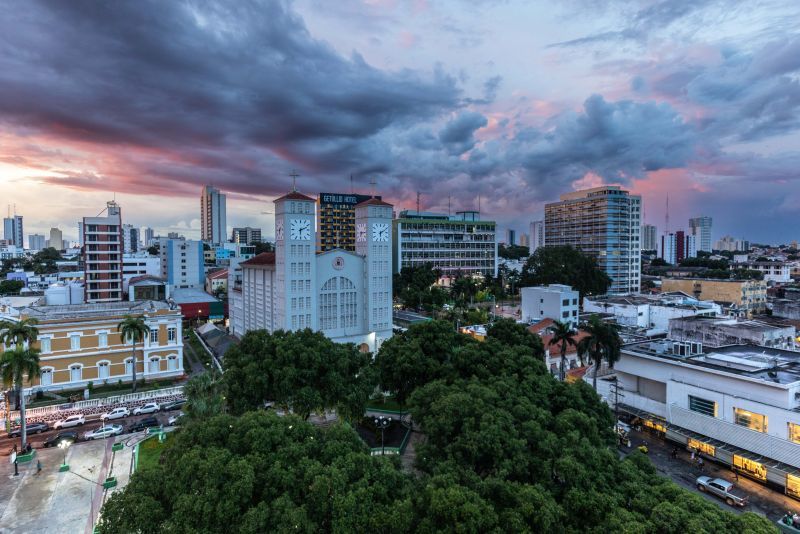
(793, 485)
(749, 467)
(702, 447)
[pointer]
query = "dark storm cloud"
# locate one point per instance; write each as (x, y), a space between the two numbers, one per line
(186, 77)
(457, 135)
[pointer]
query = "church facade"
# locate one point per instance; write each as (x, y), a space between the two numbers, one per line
(346, 295)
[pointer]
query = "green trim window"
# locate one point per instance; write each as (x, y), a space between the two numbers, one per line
(703, 406)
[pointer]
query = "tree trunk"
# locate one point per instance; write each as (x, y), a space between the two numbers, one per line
(22, 417)
(563, 361)
(594, 374)
(133, 367)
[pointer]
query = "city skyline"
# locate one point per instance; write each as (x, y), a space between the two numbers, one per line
(696, 99)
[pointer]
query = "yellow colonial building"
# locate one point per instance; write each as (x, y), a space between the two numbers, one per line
(79, 343)
(748, 296)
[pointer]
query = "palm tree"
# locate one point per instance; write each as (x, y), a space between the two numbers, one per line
(15, 365)
(602, 343)
(563, 334)
(204, 396)
(18, 332)
(133, 329)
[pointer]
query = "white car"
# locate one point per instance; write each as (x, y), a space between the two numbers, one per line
(175, 419)
(116, 413)
(103, 432)
(150, 407)
(72, 420)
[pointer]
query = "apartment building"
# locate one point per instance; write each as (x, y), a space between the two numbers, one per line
(102, 255)
(555, 301)
(35, 241)
(213, 216)
(738, 404)
(700, 228)
(13, 230)
(649, 240)
(460, 244)
(604, 222)
(130, 239)
(79, 343)
(746, 296)
(56, 240)
(773, 271)
(246, 235)
(182, 263)
(537, 235)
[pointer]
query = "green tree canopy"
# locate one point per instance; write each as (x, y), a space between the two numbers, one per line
(413, 286)
(565, 265)
(303, 370)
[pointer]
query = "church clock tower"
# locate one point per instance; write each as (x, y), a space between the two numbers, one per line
(374, 243)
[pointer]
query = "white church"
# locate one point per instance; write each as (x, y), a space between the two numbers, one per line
(346, 295)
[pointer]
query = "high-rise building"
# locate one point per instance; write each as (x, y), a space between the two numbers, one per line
(213, 219)
(246, 235)
(12, 231)
(182, 264)
(675, 247)
(649, 240)
(130, 238)
(35, 241)
(345, 295)
(700, 228)
(337, 216)
(511, 237)
(732, 244)
(604, 222)
(102, 255)
(524, 240)
(148, 234)
(80, 234)
(459, 244)
(537, 235)
(56, 239)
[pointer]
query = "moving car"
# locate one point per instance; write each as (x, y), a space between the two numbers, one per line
(33, 428)
(72, 420)
(147, 422)
(174, 405)
(175, 419)
(53, 441)
(150, 407)
(722, 489)
(103, 432)
(116, 413)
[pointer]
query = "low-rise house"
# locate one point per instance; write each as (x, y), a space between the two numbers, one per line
(650, 313)
(554, 301)
(720, 331)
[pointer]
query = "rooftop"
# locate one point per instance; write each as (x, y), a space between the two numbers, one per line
(99, 309)
(373, 202)
(761, 363)
(751, 325)
(188, 295)
(294, 195)
(265, 258)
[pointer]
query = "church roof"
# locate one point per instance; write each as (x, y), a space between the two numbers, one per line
(265, 258)
(294, 195)
(373, 202)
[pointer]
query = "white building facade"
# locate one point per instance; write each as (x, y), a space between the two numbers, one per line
(182, 263)
(537, 235)
(213, 216)
(555, 301)
(739, 405)
(700, 228)
(651, 313)
(345, 295)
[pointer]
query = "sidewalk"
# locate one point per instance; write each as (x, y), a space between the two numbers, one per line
(763, 500)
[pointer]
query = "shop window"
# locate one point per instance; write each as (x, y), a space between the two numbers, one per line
(753, 421)
(703, 406)
(794, 432)
(749, 467)
(793, 485)
(705, 448)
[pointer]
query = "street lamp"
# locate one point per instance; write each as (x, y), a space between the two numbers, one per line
(382, 423)
(64, 445)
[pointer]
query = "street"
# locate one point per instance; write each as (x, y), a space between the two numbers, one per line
(762, 499)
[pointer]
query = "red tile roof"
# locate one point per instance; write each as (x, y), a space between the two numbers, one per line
(265, 258)
(541, 326)
(373, 202)
(222, 273)
(294, 195)
(555, 350)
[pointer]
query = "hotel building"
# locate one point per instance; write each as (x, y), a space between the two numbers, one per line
(337, 220)
(604, 223)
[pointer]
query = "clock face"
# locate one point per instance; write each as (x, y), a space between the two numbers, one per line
(279, 230)
(338, 263)
(380, 232)
(300, 229)
(361, 232)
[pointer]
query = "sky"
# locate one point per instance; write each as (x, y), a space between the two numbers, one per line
(513, 102)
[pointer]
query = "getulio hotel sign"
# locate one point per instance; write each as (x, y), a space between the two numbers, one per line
(337, 198)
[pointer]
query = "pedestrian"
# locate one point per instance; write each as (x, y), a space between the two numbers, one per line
(736, 476)
(674, 453)
(692, 455)
(38, 466)
(700, 463)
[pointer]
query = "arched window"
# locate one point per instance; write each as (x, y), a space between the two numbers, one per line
(155, 364)
(46, 378)
(75, 373)
(172, 363)
(338, 304)
(103, 369)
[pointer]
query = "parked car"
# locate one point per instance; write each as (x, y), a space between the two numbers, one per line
(174, 405)
(147, 422)
(72, 420)
(116, 413)
(103, 432)
(33, 428)
(722, 489)
(53, 441)
(175, 419)
(150, 407)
